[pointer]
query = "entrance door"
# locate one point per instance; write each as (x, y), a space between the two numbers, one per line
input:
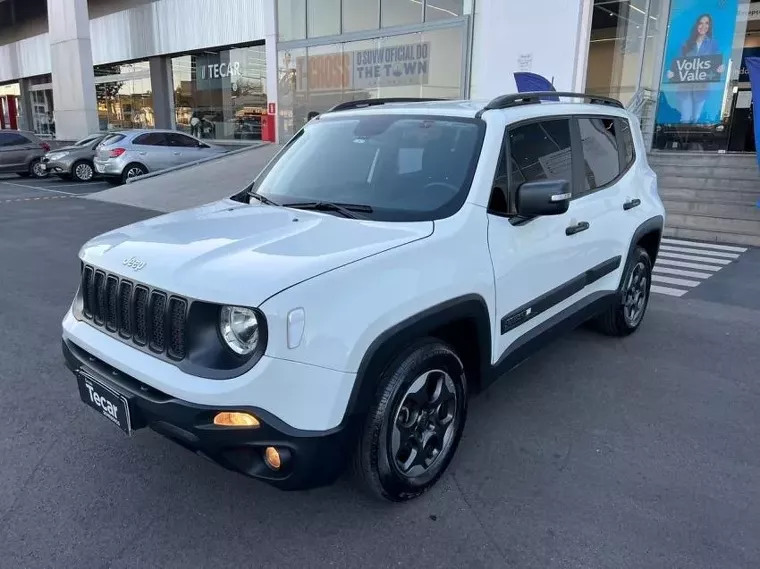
(741, 136)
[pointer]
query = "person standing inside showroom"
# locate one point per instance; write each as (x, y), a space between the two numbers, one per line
(692, 99)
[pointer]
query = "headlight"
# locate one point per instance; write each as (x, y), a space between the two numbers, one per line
(239, 328)
(57, 155)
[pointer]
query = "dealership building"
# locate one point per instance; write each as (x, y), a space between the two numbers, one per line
(253, 69)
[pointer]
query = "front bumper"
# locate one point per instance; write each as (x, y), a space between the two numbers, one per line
(310, 458)
(61, 166)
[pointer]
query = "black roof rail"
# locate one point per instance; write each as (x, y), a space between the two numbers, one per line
(532, 98)
(375, 102)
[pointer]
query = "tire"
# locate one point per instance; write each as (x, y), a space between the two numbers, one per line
(83, 171)
(626, 315)
(35, 172)
(132, 171)
(403, 405)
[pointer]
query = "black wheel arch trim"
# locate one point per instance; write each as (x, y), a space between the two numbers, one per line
(386, 345)
(654, 224)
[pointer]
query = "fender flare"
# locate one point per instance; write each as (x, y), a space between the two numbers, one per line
(654, 224)
(396, 338)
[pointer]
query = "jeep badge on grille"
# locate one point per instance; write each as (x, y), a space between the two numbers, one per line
(134, 263)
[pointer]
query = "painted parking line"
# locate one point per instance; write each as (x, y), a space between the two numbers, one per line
(37, 188)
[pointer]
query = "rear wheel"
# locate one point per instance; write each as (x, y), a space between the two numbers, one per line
(82, 171)
(133, 171)
(413, 429)
(626, 315)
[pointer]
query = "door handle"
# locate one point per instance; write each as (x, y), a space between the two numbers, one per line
(631, 204)
(176, 153)
(142, 153)
(577, 228)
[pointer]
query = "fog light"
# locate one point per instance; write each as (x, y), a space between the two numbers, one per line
(272, 458)
(235, 419)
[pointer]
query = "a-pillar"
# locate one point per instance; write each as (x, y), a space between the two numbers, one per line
(162, 88)
(76, 111)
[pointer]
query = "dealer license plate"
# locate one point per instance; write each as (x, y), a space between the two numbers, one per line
(107, 401)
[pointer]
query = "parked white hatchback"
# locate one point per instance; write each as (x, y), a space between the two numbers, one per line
(395, 257)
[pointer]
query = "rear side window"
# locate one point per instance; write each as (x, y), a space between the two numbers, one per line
(601, 160)
(13, 139)
(151, 139)
(541, 151)
(625, 136)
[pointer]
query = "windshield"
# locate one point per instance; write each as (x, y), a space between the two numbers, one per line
(405, 168)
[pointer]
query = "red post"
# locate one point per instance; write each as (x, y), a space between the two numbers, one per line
(12, 112)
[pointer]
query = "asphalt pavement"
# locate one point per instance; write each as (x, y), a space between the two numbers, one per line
(597, 453)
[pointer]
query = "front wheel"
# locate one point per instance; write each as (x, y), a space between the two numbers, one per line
(625, 316)
(82, 171)
(413, 428)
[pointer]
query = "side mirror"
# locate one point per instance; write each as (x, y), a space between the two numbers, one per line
(547, 197)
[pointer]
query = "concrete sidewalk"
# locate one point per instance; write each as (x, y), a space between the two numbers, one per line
(194, 185)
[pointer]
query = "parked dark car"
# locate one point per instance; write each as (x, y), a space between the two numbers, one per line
(75, 161)
(21, 153)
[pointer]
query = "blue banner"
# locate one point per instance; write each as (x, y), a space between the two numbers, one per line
(698, 50)
(753, 69)
(533, 82)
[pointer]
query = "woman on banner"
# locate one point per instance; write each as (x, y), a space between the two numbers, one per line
(691, 99)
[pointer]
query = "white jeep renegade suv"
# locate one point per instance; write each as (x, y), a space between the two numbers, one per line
(395, 257)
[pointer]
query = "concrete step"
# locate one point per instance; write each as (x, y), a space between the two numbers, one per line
(725, 238)
(668, 181)
(713, 224)
(703, 159)
(727, 211)
(715, 196)
(719, 172)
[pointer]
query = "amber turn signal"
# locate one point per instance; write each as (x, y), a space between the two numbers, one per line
(235, 419)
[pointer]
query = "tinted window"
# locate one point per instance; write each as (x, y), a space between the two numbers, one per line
(151, 139)
(600, 152)
(12, 139)
(405, 168)
(181, 140)
(626, 139)
(541, 151)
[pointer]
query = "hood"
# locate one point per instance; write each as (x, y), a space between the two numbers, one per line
(235, 253)
(70, 149)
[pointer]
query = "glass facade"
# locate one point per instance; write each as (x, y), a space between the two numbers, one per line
(679, 65)
(124, 96)
(316, 74)
(221, 94)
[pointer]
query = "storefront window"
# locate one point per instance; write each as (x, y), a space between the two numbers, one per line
(124, 96)
(700, 100)
(360, 15)
(423, 64)
(443, 9)
(400, 12)
(291, 19)
(323, 18)
(43, 120)
(221, 94)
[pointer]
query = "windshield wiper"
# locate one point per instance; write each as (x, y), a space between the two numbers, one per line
(346, 209)
(262, 199)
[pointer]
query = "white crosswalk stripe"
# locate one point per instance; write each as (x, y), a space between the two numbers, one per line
(682, 265)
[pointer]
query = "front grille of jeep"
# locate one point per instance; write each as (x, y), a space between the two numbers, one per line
(148, 317)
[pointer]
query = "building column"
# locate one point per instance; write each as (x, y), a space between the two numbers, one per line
(76, 110)
(547, 37)
(162, 87)
(270, 47)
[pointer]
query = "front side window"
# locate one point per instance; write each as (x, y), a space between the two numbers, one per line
(541, 151)
(404, 168)
(600, 152)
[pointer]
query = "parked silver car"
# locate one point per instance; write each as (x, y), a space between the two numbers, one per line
(75, 161)
(131, 153)
(21, 153)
